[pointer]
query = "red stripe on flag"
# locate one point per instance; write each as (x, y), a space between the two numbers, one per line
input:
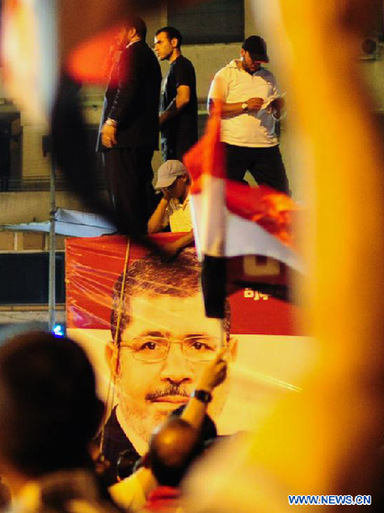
(271, 209)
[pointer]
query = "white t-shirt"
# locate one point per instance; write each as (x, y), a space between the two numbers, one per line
(231, 85)
(178, 215)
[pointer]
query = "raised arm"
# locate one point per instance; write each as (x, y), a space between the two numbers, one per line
(213, 375)
(159, 218)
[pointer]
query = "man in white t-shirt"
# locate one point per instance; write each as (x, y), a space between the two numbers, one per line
(173, 209)
(251, 104)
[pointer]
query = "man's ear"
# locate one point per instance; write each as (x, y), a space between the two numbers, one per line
(111, 356)
(242, 52)
(131, 32)
(233, 343)
(174, 42)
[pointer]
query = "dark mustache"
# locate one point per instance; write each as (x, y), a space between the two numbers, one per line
(166, 392)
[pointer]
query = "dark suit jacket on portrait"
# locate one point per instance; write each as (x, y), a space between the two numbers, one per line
(115, 442)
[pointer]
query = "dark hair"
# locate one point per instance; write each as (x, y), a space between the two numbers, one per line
(49, 410)
(151, 276)
(172, 33)
(138, 24)
(172, 450)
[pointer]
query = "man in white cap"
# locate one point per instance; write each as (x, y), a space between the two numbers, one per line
(173, 210)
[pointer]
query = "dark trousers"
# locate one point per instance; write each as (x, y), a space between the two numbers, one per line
(175, 149)
(265, 165)
(129, 177)
(175, 144)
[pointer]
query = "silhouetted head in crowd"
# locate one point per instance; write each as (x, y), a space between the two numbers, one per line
(132, 27)
(162, 342)
(5, 496)
(49, 410)
(208, 429)
(173, 447)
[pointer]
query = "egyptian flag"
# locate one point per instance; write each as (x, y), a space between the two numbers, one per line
(234, 220)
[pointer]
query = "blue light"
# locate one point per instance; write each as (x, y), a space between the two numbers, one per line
(58, 330)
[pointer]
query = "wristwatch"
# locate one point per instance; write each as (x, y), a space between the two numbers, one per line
(202, 395)
(244, 106)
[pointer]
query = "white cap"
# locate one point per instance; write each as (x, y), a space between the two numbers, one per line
(168, 172)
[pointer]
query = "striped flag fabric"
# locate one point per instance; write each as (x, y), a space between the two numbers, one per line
(206, 165)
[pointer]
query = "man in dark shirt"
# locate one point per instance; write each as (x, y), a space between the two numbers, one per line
(129, 126)
(178, 105)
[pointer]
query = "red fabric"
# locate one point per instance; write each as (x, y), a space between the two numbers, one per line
(163, 498)
(207, 155)
(92, 267)
(271, 209)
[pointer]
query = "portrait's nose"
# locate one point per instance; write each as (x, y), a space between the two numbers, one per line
(176, 369)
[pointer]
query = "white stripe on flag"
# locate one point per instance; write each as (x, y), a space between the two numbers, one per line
(213, 216)
(243, 237)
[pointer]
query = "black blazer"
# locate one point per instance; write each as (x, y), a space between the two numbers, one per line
(132, 98)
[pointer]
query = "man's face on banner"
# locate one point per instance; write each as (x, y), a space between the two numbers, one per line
(164, 350)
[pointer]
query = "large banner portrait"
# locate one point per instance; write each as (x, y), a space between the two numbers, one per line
(142, 322)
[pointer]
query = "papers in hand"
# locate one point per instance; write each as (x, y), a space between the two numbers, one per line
(270, 99)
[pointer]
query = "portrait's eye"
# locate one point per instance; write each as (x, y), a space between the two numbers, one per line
(149, 345)
(201, 343)
(198, 345)
(148, 349)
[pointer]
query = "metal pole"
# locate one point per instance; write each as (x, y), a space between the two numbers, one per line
(52, 253)
(52, 244)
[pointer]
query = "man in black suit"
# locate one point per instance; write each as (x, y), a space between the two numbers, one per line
(129, 127)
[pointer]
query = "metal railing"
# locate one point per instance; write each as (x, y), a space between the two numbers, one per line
(40, 183)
